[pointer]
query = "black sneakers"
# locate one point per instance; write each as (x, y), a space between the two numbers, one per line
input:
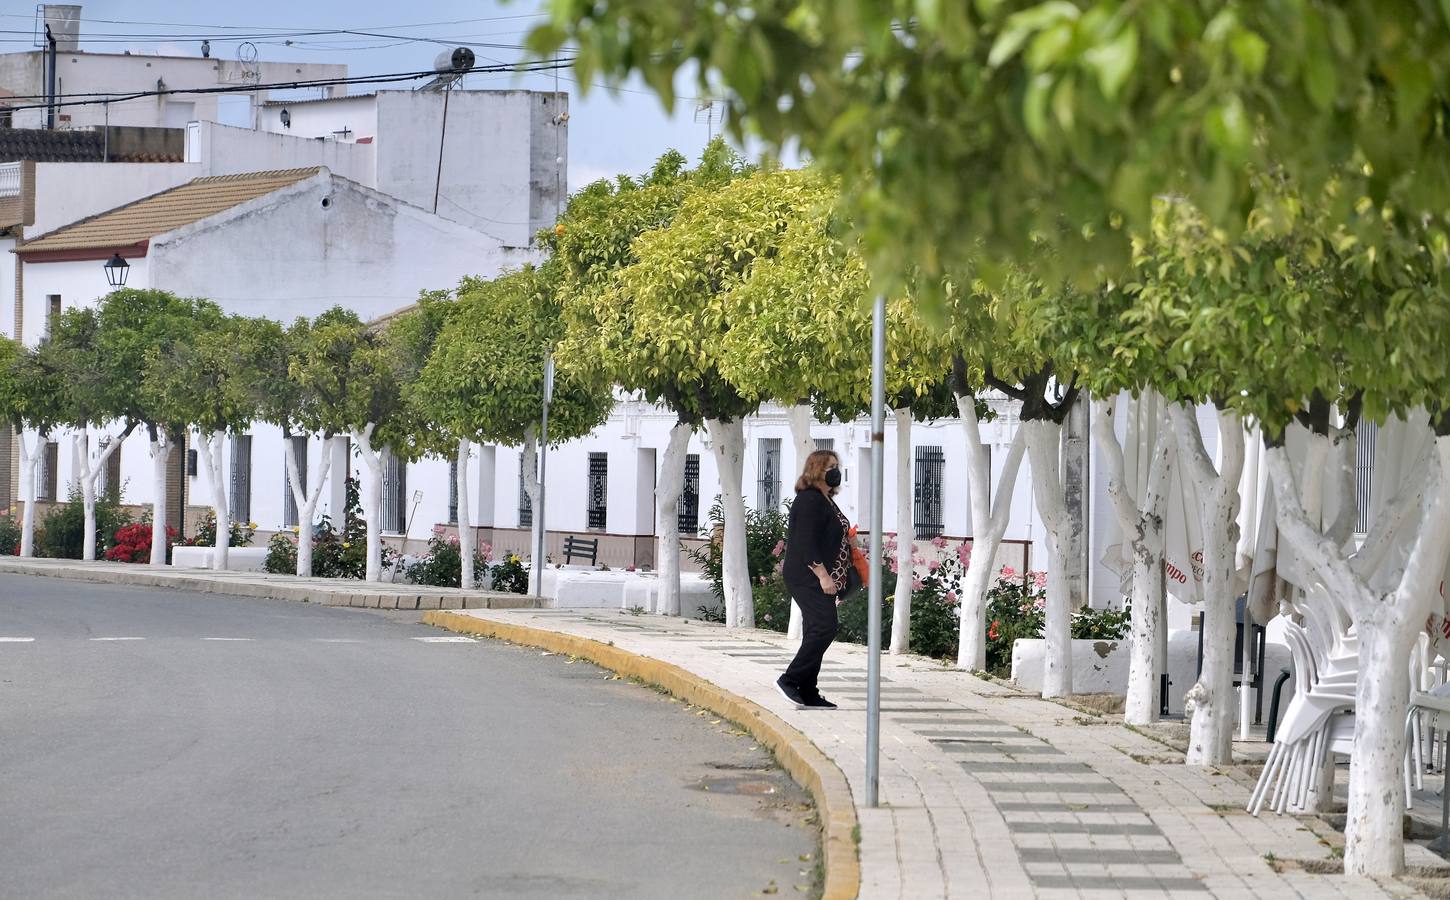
(819, 702)
(790, 692)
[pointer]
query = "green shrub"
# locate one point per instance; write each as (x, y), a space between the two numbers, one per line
(9, 536)
(1014, 610)
(61, 534)
(442, 565)
(1106, 624)
(334, 555)
(241, 533)
(765, 532)
(509, 575)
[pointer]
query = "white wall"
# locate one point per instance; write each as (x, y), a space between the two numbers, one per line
(8, 262)
(79, 283)
(288, 254)
(69, 192)
(343, 119)
(224, 150)
(84, 72)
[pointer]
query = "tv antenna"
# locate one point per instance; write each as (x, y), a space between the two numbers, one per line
(711, 112)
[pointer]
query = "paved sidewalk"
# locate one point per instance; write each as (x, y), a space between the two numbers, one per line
(325, 591)
(989, 792)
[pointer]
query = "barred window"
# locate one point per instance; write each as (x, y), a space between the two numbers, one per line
(927, 491)
(526, 503)
(453, 491)
(689, 503)
(767, 495)
(241, 487)
(1366, 435)
(395, 493)
(290, 514)
(596, 509)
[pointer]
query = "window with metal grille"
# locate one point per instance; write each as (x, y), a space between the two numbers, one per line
(596, 517)
(52, 313)
(395, 493)
(526, 504)
(109, 485)
(453, 491)
(1366, 435)
(49, 473)
(767, 493)
(927, 491)
(240, 504)
(290, 515)
(825, 443)
(689, 503)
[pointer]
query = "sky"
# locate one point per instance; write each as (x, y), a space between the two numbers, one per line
(622, 131)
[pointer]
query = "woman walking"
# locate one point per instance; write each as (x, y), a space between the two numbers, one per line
(817, 558)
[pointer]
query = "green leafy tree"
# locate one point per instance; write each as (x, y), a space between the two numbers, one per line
(99, 386)
(800, 334)
(208, 383)
(132, 325)
(32, 399)
(358, 377)
(1001, 124)
(484, 380)
(413, 336)
(595, 240)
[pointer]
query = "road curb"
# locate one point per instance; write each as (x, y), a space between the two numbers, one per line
(805, 762)
(318, 591)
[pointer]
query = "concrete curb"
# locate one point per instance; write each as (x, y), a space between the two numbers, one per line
(320, 591)
(811, 768)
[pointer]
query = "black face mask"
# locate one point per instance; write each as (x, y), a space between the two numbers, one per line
(833, 478)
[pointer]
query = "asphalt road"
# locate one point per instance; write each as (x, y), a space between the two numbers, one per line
(158, 744)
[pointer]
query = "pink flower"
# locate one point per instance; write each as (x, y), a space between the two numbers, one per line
(1039, 579)
(1040, 602)
(916, 584)
(453, 540)
(939, 542)
(779, 548)
(952, 597)
(964, 554)
(1009, 572)
(933, 565)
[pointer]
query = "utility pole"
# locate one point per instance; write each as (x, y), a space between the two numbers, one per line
(50, 79)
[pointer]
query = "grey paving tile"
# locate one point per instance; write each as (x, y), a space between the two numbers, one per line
(1100, 855)
(1082, 828)
(1127, 883)
(1051, 787)
(1028, 767)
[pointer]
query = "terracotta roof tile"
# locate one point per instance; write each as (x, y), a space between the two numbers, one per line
(145, 218)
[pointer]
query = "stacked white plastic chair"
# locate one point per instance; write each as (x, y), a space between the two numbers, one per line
(1319, 719)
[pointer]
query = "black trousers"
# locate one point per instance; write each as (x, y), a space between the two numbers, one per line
(818, 629)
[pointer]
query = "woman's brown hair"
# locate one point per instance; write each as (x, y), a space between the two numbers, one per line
(814, 474)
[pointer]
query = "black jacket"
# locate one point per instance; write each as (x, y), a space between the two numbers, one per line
(815, 536)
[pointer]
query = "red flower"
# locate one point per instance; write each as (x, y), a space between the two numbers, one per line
(993, 631)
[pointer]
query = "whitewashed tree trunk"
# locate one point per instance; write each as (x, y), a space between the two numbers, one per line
(1141, 519)
(799, 416)
(467, 539)
(30, 460)
(89, 468)
(905, 536)
(305, 498)
(210, 451)
(372, 500)
(1044, 446)
(990, 512)
(667, 500)
(161, 445)
(530, 454)
(728, 441)
(1388, 623)
(1210, 740)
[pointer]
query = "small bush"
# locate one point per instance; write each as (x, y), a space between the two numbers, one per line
(509, 575)
(9, 536)
(1107, 624)
(442, 565)
(1014, 610)
(241, 533)
(61, 535)
(132, 543)
(765, 532)
(334, 554)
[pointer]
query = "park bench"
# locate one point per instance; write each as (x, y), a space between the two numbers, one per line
(584, 548)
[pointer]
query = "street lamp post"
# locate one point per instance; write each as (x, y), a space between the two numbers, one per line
(116, 271)
(543, 463)
(874, 591)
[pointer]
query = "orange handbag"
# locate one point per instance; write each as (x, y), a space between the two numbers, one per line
(858, 559)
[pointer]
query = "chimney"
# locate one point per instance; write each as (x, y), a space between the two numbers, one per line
(65, 25)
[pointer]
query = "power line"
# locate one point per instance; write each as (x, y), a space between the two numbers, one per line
(283, 27)
(97, 98)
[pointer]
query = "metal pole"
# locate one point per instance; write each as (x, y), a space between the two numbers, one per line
(543, 463)
(438, 180)
(873, 605)
(50, 79)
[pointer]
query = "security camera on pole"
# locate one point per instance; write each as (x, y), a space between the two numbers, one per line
(537, 575)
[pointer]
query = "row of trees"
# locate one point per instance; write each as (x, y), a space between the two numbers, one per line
(1249, 200)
